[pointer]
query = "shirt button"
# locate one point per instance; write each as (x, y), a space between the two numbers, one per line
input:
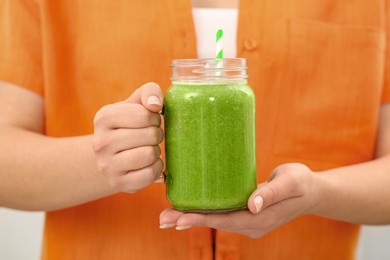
(250, 44)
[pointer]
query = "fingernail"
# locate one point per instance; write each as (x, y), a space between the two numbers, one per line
(154, 100)
(169, 225)
(258, 203)
(182, 227)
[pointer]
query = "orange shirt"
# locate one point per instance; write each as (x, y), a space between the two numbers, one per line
(319, 70)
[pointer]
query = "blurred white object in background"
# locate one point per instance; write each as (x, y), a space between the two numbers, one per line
(20, 234)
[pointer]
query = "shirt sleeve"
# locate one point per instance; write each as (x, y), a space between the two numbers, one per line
(20, 44)
(386, 87)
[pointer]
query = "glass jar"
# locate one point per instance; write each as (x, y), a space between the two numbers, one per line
(209, 114)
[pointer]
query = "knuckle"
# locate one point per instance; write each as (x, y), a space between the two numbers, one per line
(99, 143)
(149, 152)
(102, 116)
(274, 194)
(103, 166)
(286, 168)
(298, 183)
(149, 175)
(145, 177)
(159, 165)
(157, 154)
(295, 178)
(106, 167)
(97, 118)
(159, 135)
(154, 135)
(299, 176)
(152, 153)
(154, 119)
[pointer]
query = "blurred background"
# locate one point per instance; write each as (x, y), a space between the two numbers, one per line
(21, 237)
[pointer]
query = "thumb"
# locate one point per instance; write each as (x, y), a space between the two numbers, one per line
(149, 95)
(281, 187)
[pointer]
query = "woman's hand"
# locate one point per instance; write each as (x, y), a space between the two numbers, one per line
(289, 193)
(127, 137)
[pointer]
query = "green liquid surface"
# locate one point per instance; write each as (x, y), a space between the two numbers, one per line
(210, 146)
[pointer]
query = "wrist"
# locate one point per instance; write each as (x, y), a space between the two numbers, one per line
(321, 192)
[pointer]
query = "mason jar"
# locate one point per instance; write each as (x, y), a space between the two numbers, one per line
(209, 114)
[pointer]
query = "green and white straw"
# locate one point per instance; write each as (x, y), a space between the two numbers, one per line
(219, 45)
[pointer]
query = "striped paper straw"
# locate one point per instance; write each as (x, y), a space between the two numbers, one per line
(219, 49)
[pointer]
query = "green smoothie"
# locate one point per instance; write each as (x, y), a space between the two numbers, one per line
(210, 145)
